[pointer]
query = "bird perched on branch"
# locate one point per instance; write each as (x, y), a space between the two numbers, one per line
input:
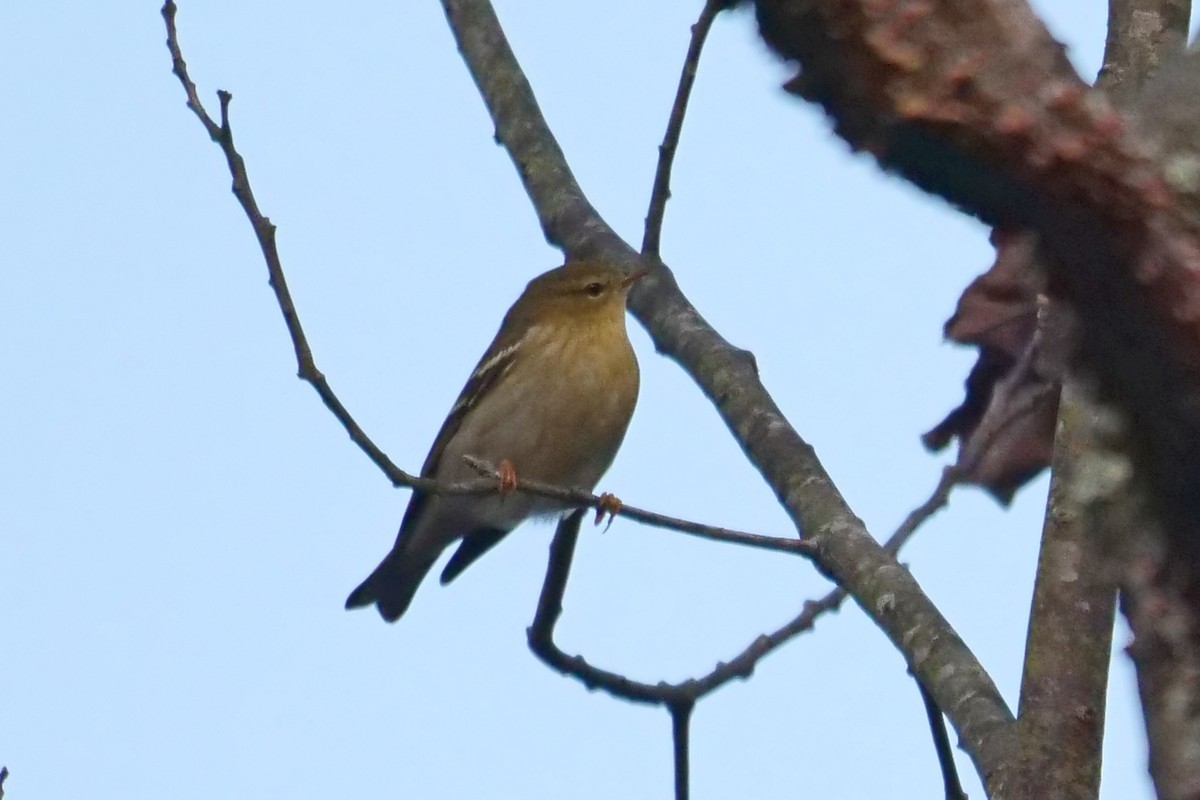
(549, 401)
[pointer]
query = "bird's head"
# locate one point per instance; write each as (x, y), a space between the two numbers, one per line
(577, 292)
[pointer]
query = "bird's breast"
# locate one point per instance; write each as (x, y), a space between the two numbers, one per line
(558, 416)
(571, 400)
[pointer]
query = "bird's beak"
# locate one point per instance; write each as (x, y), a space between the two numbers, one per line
(634, 277)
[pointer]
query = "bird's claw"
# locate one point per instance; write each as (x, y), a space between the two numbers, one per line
(507, 475)
(609, 506)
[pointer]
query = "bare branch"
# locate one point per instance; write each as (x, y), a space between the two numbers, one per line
(264, 230)
(541, 633)
(1155, 581)
(666, 151)
(686, 694)
(741, 666)
(1061, 720)
(1112, 498)
(1154, 600)
(1140, 34)
(222, 134)
(941, 745)
(832, 601)
(681, 723)
(974, 100)
(921, 514)
(603, 507)
(568, 219)
(728, 376)
(680, 698)
(1062, 708)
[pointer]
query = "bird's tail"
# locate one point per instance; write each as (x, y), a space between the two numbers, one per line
(392, 585)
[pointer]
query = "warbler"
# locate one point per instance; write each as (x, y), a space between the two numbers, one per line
(549, 401)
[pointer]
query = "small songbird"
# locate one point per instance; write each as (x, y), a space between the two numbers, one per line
(549, 401)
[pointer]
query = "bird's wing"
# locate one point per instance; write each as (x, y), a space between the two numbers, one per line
(494, 365)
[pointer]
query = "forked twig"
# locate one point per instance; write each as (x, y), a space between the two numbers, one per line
(222, 134)
(681, 698)
(554, 586)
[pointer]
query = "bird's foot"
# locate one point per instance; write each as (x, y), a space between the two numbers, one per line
(609, 506)
(507, 474)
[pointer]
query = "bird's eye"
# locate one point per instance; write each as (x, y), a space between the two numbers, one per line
(594, 289)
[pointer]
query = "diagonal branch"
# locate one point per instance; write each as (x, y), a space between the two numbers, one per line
(264, 231)
(729, 378)
(222, 134)
(975, 101)
(680, 698)
(727, 375)
(1060, 728)
(741, 666)
(568, 219)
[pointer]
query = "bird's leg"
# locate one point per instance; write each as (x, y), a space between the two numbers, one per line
(609, 505)
(507, 474)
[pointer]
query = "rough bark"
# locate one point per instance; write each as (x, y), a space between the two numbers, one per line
(729, 377)
(973, 100)
(1060, 727)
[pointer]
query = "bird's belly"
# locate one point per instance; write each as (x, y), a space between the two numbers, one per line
(565, 434)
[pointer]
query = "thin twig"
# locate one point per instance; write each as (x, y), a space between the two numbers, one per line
(540, 633)
(666, 151)
(951, 477)
(681, 698)
(888, 594)
(681, 724)
(605, 506)
(741, 666)
(941, 744)
(727, 376)
(1002, 410)
(576, 226)
(264, 229)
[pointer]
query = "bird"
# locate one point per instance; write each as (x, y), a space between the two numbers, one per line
(549, 401)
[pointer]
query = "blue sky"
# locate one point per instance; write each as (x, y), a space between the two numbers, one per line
(182, 519)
